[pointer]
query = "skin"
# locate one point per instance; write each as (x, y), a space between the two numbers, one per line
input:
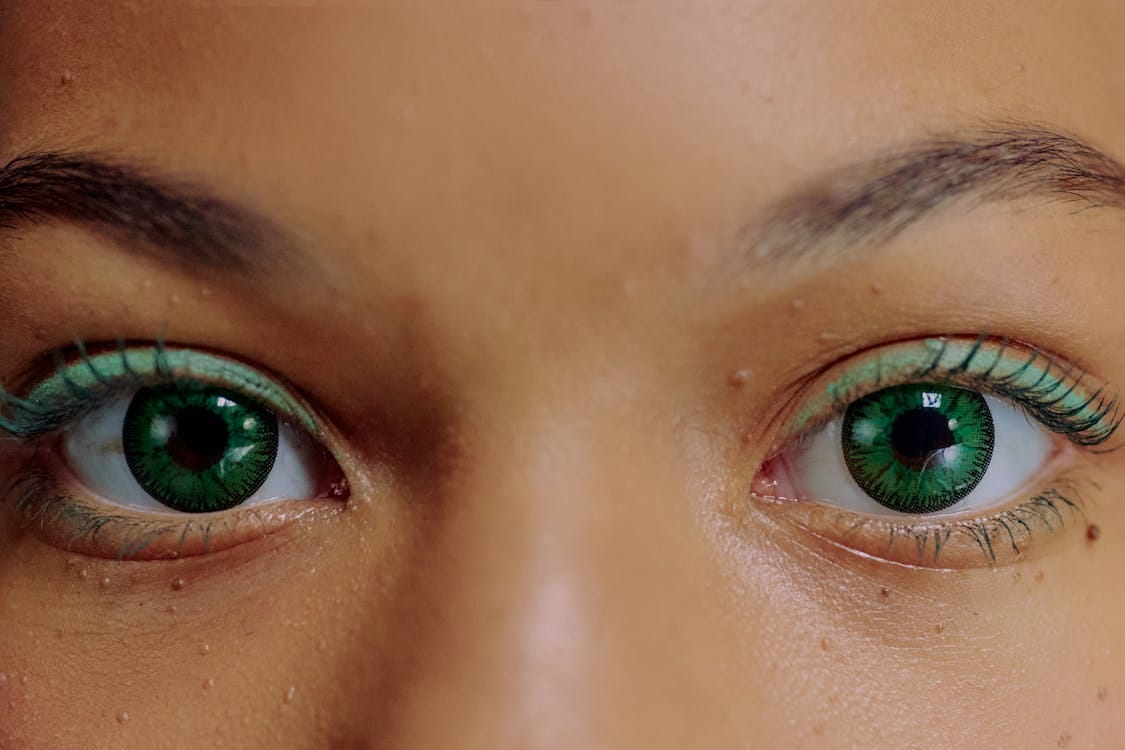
(520, 328)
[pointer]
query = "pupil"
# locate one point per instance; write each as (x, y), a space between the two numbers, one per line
(917, 434)
(198, 438)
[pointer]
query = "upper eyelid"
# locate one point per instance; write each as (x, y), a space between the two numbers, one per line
(85, 382)
(1055, 392)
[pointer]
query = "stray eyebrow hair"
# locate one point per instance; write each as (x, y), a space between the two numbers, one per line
(176, 223)
(871, 202)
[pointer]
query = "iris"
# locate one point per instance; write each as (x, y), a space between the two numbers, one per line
(920, 447)
(199, 449)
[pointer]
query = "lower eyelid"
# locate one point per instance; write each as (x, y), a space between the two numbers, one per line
(56, 510)
(1019, 530)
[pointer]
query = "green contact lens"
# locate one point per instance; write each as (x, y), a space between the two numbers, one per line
(918, 448)
(199, 449)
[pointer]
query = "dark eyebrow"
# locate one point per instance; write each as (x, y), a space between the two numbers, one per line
(179, 224)
(871, 202)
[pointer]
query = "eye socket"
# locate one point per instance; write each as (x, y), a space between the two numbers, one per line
(940, 452)
(191, 448)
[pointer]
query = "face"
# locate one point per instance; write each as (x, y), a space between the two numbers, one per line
(561, 375)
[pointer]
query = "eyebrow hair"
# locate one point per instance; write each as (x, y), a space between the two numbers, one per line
(872, 202)
(176, 223)
(868, 203)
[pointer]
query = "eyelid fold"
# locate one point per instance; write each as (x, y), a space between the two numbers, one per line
(87, 381)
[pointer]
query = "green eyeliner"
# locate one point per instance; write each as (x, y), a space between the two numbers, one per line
(78, 387)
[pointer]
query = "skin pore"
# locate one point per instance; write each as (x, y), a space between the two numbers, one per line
(553, 279)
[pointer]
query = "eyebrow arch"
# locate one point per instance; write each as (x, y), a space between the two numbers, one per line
(179, 224)
(871, 202)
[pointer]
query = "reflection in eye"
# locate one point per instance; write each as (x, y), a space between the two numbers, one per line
(170, 446)
(928, 448)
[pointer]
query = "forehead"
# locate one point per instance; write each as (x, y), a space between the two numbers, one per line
(539, 129)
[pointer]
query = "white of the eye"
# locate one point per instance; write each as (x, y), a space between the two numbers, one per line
(818, 472)
(94, 451)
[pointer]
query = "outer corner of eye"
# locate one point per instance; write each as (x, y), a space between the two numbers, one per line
(923, 474)
(191, 468)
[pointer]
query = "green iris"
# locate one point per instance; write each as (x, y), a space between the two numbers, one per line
(918, 448)
(199, 449)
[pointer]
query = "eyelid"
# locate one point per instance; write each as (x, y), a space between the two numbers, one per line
(1057, 393)
(83, 382)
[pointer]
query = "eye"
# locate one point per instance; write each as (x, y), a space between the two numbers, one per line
(925, 452)
(153, 452)
(191, 448)
(919, 449)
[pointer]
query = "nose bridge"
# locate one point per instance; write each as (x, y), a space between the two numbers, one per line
(557, 582)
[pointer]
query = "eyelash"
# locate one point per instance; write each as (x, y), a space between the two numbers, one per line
(1040, 383)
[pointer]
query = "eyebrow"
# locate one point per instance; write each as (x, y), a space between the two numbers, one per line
(868, 203)
(179, 224)
(871, 202)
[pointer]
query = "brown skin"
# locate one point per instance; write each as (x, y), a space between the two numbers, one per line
(520, 334)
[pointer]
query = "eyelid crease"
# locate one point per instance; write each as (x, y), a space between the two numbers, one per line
(84, 382)
(1052, 390)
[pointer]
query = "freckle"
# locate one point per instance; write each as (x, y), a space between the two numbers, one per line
(1093, 531)
(739, 378)
(178, 584)
(939, 628)
(797, 305)
(204, 649)
(122, 717)
(1103, 693)
(885, 592)
(825, 644)
(1039, 576)
(1064, 740)
(291, 694)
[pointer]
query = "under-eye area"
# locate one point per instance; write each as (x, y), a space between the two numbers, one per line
(944, 452)
(150, 451)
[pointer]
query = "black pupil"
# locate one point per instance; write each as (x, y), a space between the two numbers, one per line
(198, 438)
(918, 433)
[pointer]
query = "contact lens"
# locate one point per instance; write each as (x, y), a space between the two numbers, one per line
(199, 449)
(918, 448)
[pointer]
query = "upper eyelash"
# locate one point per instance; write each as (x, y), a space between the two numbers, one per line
(1088, 423)
(1044, 398)
(27, 418)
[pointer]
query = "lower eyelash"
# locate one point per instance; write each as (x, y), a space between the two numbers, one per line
(1000, 538)
(38, 499)
(41, 501)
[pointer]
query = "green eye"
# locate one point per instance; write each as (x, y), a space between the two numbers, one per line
(918, 448)
(198, 449)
